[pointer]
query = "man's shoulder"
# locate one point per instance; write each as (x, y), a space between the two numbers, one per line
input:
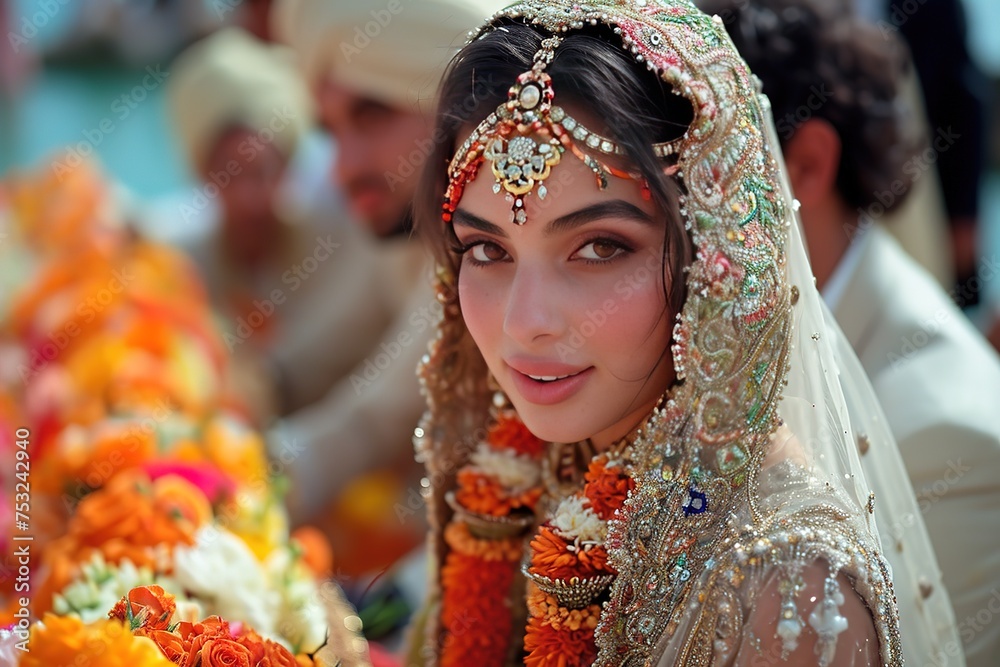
(925, 359)
(916, 320)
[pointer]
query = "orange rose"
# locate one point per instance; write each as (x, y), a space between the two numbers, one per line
(170, 644)
(196, 635)
(151, 608)
(277, 655)
(266, 653)
(221, 652)
(175, 496)
(107, 514)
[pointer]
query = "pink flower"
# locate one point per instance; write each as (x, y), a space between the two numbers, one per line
(211, 481)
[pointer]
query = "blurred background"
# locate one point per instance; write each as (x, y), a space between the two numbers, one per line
(69, 65)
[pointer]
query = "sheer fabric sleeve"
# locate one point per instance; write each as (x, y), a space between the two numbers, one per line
(807, 616)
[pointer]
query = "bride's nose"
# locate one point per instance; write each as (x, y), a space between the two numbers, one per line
(535, 308)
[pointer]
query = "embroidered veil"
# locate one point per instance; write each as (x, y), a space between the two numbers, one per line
(750, 520)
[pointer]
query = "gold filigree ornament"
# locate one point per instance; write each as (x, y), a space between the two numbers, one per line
(575, 593)
(520, 164)
(487, 527)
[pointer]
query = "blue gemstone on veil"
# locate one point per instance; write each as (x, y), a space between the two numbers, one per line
(697, 502)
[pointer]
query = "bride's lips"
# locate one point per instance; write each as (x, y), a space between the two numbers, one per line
(547, 392)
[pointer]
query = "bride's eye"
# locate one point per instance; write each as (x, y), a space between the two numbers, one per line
(486, 252)
(601, 250)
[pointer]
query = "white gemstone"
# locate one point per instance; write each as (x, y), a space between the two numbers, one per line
(607, 146)
(521, 148)
(530, 97)
(569, 123)
(593, 141)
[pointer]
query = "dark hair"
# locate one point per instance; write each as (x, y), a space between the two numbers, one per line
(592, 71)
(817, 59)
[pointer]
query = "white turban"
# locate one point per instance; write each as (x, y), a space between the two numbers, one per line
(233, 79)
(393, 51)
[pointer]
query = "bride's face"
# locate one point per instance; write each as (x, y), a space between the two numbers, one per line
(569, 310)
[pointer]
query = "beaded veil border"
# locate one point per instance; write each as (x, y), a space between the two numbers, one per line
(699, 455)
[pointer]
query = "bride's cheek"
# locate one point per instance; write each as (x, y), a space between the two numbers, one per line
(479, 308)
(639, 321)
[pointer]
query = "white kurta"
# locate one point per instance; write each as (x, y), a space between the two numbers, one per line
(939, 385)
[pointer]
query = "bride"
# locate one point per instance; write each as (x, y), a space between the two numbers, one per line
(639, 442)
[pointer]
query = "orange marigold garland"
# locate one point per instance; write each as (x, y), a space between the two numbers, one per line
(607, 486)
(484, 494)
(501, 482)
(500, 485)
(570, 547)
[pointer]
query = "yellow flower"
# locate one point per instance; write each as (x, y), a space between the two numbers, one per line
(237, 450)
(258, 519)
(62, 640)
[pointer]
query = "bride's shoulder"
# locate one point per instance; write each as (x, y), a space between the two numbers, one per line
(810, 615)
(813, 590)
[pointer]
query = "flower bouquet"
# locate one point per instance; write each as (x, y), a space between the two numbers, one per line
(143, 471)
(148, 627)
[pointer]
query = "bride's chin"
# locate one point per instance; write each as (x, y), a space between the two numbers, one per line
(550, 427)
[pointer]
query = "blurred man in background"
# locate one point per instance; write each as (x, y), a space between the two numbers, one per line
(305, 296)
(269, 261)
(934, 375)
(373, 69)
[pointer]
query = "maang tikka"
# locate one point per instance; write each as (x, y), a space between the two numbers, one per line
(519, 160)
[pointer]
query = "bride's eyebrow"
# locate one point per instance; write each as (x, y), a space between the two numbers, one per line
(616, 208)
(465, 219)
